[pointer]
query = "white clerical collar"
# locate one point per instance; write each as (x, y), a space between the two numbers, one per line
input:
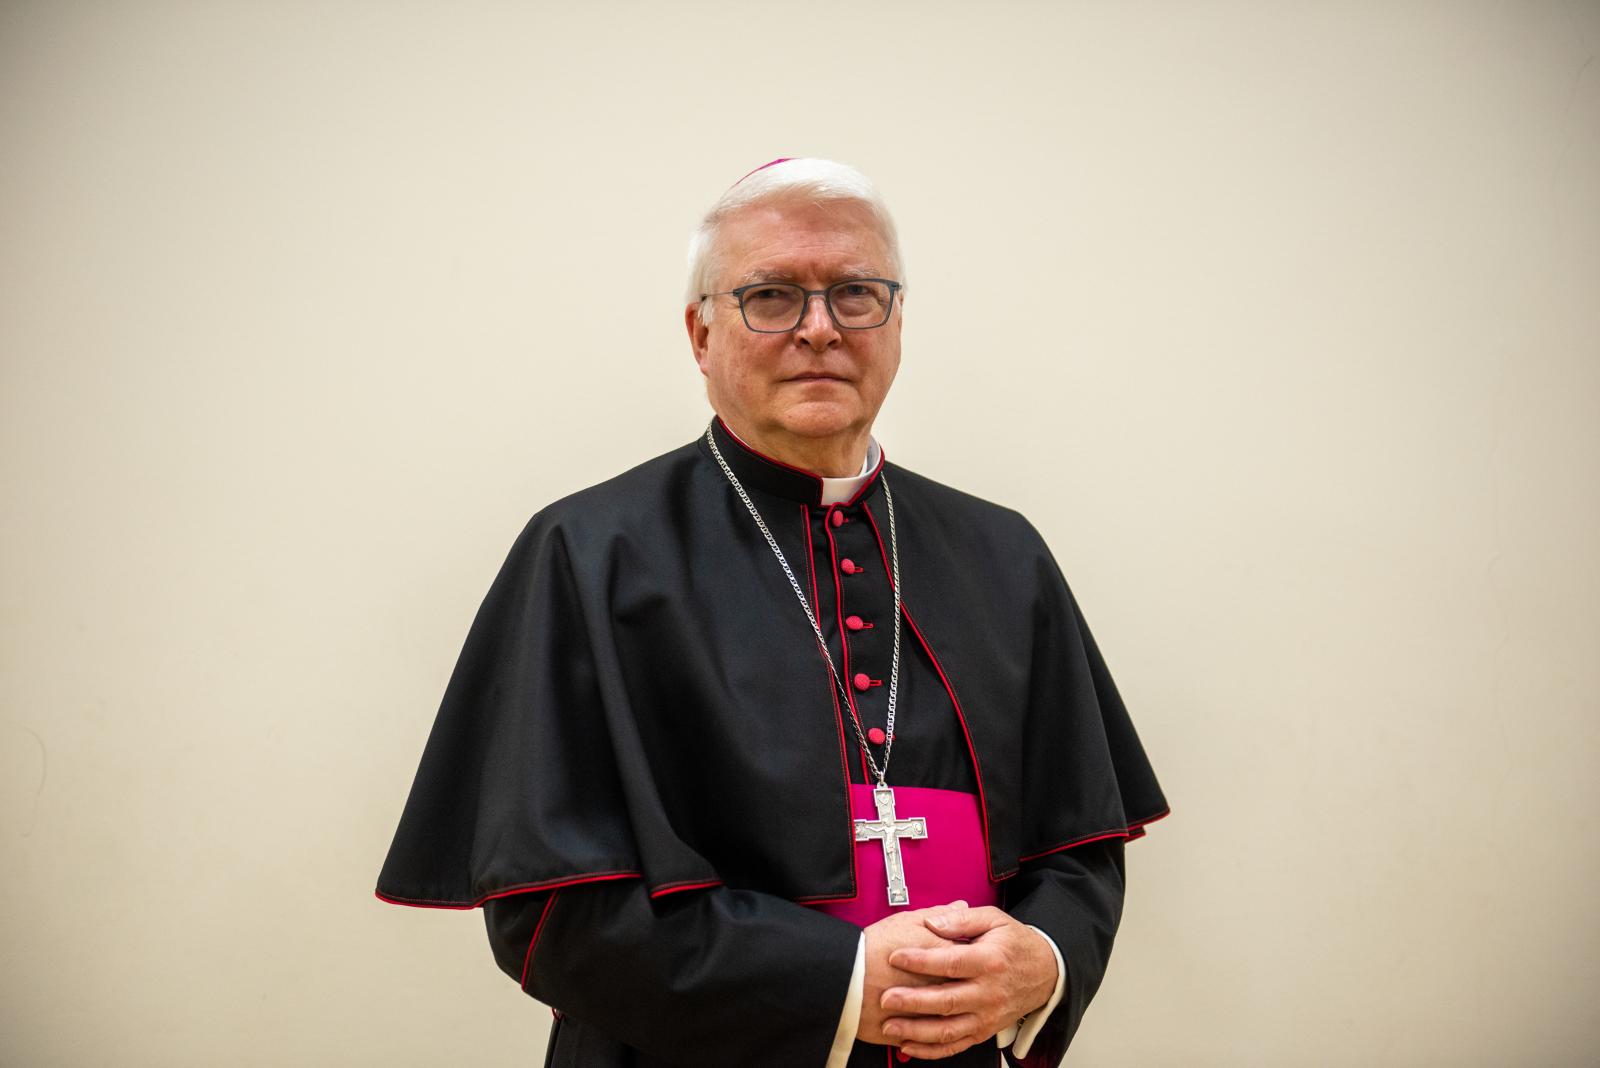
(835, 490)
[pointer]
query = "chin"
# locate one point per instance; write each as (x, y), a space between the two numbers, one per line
(819, 419)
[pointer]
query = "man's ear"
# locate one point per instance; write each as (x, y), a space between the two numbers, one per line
(698, 333)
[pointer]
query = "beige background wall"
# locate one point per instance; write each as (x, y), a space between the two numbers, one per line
(1280, 320)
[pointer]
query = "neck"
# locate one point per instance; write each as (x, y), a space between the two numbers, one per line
(835, 456)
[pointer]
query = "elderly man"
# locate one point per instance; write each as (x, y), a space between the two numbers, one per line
(770, 752)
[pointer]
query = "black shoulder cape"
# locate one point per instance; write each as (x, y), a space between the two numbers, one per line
(640, 697)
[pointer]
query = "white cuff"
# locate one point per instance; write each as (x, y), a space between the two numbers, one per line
(850, 1019)
(1020, 1035)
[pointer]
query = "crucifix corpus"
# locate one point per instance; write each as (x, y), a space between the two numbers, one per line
(889, 831)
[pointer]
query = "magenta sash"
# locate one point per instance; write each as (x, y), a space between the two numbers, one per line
(947, 865)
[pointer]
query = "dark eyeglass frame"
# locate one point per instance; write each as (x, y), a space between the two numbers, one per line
(805, 303)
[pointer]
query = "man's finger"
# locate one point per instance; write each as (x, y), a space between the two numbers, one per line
(924, 1052)
(935, 1031)
(946, 962)
(965, 923)
(930, 912)
(943, 913)
(941, 999)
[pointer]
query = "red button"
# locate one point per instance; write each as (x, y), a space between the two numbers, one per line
(902, 1056)
(848, 566)
(853, 622)
(837, 519)
(876, 736)
(862, 682)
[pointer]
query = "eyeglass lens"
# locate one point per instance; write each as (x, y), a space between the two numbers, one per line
(780, 306)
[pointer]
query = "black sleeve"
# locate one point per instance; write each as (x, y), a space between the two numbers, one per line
(1075, 896)
(703, 977)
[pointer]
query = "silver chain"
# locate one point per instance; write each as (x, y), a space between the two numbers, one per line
(879, 772)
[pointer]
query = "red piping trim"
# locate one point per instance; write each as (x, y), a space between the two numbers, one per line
(1163, 814)
(872, 476)
(812, 899)
(966, 734)
(549, 884)
(774, 461)
(1085, 840)
(673, 888)
(1130, 832)
(838, 718)
(844, 646)
(544, 914)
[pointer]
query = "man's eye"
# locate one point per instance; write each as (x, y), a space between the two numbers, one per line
(772, 298)
(855, 289)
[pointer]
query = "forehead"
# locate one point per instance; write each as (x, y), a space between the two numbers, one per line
(800, 240)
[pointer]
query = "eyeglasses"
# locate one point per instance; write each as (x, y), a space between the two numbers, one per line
(779, 307)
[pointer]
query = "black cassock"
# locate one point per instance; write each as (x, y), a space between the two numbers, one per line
(639, 767)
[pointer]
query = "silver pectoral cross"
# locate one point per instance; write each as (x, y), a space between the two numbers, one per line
(889, 831)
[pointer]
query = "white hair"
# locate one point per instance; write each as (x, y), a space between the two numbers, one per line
(814, 179)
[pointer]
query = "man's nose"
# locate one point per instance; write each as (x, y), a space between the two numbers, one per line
(817, 327)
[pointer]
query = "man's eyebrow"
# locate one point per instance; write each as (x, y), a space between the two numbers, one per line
(760, 276)
(783, 274)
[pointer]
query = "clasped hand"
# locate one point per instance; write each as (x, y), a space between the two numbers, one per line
(942, 979)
